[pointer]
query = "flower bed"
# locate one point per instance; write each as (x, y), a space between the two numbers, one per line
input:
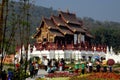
(105, 76)
(60, 74)
(74, 76)
(97, 76)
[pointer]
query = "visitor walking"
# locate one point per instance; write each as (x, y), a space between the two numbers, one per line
(110, 63)
(48, 69)
(87, 67)
(10, 75)
(90, 64)
(63, 64)
(60, 66)
(36, 67)
(98, 66)
(77, 66)
(31, 69)
(46, 63)
(104, 64)
(83, 67)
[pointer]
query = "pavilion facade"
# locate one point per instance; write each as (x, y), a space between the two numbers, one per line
(64, 36)
(64, 31)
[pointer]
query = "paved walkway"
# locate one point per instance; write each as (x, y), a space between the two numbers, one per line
(41, 73)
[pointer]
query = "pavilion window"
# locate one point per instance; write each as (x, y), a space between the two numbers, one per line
(82, 38)
(75, 38)
(79, 37)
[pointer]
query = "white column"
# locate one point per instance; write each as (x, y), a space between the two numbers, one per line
(29, 51)
(107, 50)
(111, 50)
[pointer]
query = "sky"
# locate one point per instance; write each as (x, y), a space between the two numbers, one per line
(103, 10)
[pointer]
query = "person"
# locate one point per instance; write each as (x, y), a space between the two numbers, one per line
(83, 67)
(17, 64)
(110, 63)
(90, 64)
(46, 63)
(10, 75)
(52, 62)
(53, 69)
(60, 66)
(63, 64)
(39, 62)
(87, 67)
(49, 69)
(70, 70)
(98, 66)
(110, 68)
(31, 69)
(56, 64)
(36, 67)
(104, 64)
(77, 66)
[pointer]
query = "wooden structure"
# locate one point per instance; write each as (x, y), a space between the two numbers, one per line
(64, 29)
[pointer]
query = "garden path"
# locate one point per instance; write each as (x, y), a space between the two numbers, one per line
(41, 73)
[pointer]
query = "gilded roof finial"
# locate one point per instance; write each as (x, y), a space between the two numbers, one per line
(37, 29)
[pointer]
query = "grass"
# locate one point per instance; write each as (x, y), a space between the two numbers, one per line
(7, 66)
(70, 65)
(116, 66)
(58, 78)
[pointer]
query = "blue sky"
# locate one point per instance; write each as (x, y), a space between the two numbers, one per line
(103, 10)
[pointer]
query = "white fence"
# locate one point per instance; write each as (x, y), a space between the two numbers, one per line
(71, 54)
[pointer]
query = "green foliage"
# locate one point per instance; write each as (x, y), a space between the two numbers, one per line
(109, 36)
(11, 65)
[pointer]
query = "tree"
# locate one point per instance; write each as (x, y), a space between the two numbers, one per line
(4, 26)
(108, 36)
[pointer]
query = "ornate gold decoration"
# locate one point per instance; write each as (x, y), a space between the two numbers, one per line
(58, 24)
(37, 29)
(54, 35)
(49, 27)
(32, 37)
(68, 21)
(64, 33)
(74, 30)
